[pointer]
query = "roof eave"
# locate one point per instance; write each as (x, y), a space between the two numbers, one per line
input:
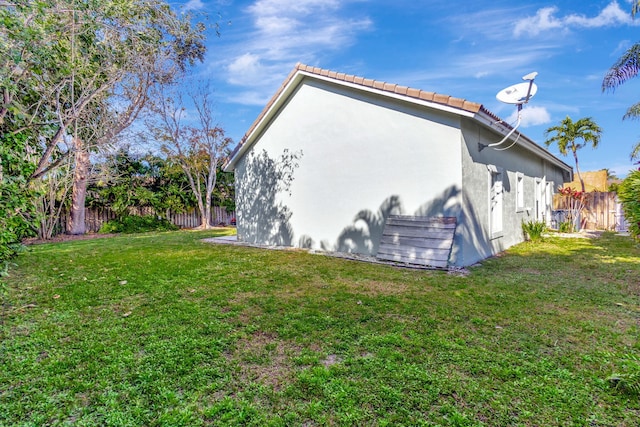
(272, 107)
(491, 121)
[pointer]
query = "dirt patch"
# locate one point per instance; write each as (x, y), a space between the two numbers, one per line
(331, 360)
(266, 359)
(374, 288)
(67, 238)
(583, 234)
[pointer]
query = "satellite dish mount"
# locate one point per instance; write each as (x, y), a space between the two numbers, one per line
(517, 94)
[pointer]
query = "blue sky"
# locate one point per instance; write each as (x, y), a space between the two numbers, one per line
(464, 49)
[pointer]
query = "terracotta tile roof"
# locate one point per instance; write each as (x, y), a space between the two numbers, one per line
(451, 101)
(445, 100)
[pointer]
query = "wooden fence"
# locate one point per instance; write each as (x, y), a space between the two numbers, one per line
(602, 211)
(94, 218)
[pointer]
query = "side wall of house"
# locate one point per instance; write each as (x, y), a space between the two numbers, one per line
(527, 184)
(360, 158)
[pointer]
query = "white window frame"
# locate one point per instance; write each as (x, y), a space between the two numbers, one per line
(548, 210)
(519, 192)
(496, 201)
(539, 201)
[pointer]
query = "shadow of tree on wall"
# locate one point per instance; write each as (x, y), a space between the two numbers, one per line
(305, 242)
(470, 237)
(447, 204)
(472, 234)
(364, 235)
(262, 218)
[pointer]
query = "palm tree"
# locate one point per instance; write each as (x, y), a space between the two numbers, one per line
(635, 153)
(627, 67)
(567, 135)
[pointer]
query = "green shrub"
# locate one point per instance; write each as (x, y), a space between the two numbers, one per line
(533, 230)
(629, 196)
(566, 227)
(17, 210)
(137, 224)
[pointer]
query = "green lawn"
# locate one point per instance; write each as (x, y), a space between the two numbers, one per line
(162, 329)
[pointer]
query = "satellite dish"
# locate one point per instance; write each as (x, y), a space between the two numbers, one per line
(517, 94)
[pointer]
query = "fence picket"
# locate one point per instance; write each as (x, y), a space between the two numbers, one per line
(601, 211)
(94, 218)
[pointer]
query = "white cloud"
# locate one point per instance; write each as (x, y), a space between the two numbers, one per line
(542, 21)
(545, 19)
(622, 169)
(621, 48)
(285, 32)
(488, 23)
(297, 7)
(531, 116)
(252, 98)
(498, 62)
(244, 67)
(612, 14)
(194, 5)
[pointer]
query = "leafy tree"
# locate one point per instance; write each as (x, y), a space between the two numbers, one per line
(629, 196)
(625, 68)
(224, 193)
(16, 208)
(79, 73)
(124, 180)
(568, 134)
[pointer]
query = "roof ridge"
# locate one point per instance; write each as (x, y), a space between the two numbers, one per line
(438, 98)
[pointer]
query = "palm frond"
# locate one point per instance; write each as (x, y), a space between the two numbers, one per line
(624, 69)
(635, 153)
(633, 112)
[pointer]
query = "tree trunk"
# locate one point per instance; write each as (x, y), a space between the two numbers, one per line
(207, 209)
(204, 222)
(79, 194)
(575, 157)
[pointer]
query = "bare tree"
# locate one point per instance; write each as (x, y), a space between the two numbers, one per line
(198, 148)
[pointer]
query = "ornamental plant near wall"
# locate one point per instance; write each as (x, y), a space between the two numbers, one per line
(533, 230)
(574, 202)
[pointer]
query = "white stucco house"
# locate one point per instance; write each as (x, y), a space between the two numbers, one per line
(332, 156)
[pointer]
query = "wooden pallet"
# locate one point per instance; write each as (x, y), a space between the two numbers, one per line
(417, 240)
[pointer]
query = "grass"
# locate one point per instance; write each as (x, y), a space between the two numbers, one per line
(161, 329)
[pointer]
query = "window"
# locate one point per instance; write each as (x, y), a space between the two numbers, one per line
(495, 201)
(540, 202)
(548, 201)
(519, 192)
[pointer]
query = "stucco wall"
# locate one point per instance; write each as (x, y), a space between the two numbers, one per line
(358, 164)
(473, 224)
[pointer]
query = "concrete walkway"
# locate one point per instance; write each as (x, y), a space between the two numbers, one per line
(222, 239)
